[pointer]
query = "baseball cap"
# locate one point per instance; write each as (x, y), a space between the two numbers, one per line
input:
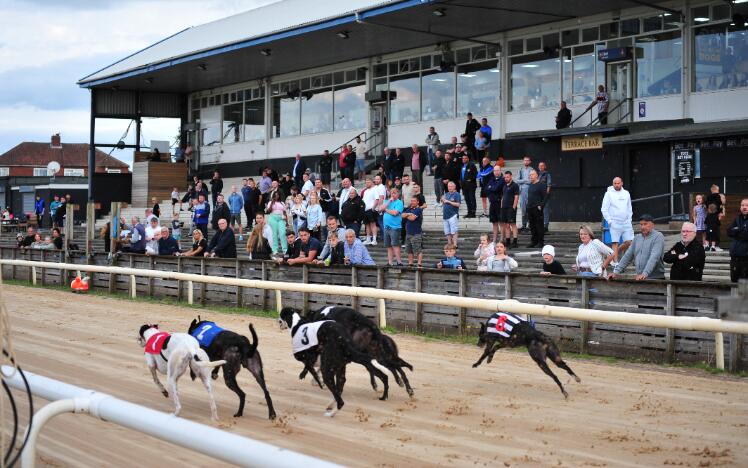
(646, 217)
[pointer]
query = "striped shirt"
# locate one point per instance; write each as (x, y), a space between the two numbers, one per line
(502, 323)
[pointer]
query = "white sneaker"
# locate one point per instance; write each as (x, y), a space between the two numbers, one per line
(614, 264)
(716, 249)
(373, 241)
(367, 241)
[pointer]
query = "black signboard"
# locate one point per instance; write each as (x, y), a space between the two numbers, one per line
(615, 54)
(684, 163)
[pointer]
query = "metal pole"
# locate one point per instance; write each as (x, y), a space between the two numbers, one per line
(137, 122)
(41, 417)
(92, 147)
(719, 350)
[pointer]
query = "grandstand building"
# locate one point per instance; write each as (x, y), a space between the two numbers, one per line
(256, 88)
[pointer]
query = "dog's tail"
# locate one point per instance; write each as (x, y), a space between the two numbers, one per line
(390, 348)
(255, 341)
(200, 363)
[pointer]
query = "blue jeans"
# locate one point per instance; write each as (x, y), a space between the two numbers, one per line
(431, 158)
(587, 274)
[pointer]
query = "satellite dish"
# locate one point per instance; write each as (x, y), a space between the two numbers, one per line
(53, 168)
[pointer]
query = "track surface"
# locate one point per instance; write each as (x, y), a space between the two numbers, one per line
(506, 413)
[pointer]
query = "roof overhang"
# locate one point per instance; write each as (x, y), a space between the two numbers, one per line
(685, 130)
(386, 28)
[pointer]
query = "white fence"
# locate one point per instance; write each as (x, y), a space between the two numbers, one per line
(718, 327)
(207, 440)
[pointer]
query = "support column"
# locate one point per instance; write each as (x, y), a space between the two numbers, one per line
(92, 146)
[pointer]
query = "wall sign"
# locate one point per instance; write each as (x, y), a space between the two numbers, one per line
(581, 143)
(642, 109)
(611, 55)
(684, 164)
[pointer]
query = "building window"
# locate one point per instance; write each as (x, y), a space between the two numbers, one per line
(350, 107)
(406, 105)
(286, 115)
(535, 82)
(40, 172)
(254, 120)
(316, 111)
(74, 172)
(478, 89)
(4, 171)
(721, 57)
(583, 79)
(210, 127)
(659, 61)
(437, 95)
(232, 123)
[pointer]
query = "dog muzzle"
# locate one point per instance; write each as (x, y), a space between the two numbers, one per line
(282, 324)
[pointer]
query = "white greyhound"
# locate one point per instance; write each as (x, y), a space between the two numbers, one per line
(172, 354)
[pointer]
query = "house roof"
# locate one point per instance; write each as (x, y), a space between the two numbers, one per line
(68, 155)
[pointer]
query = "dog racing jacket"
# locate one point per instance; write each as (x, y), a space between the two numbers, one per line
(502, 324)
(155, 343)
(306, 336)
(206, 333)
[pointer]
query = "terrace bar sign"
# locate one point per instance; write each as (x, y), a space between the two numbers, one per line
(581, 143)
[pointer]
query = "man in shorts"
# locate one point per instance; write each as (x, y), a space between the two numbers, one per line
(393, 210)
(616, 210)
(413, 216)
(371, 197)
(508, 215)
(451, 212)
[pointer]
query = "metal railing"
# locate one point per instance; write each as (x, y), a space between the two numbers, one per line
(705, 324)
(682, 216)
(610, 111)
(222, 445)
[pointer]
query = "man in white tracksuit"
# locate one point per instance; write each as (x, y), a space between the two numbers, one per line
(617, 212)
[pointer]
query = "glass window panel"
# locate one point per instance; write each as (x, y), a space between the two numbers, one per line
(608, 31)
(491, 51)
(233, 97)
(226, 98)
(232, 123)
(351, 107)
(210, 133)
(406, 106)
(584, 74)
(438, 95)
(350, 75)
(599, 66)
(361, 74)
(721, 61)
(671, 21)
(570, 37)
(379, 71)
(653, 23)
(536, 82)
(425, 62)
(478, 53)
(478, 89)
(590, 34)
(720, 12)
(659, 61)
(254, 120)
(380, 84)
(195, 115)
(286, 115)
(275, 89)
(516, 47)
(196, 103)
(316, 111)
(551, 41)
(212, 101)
(700, 15)
(394, 70)
(532, 44)
(463, 56)
(566, 69)
(305, 83)
(630, 27)
(583, 99)
(204, 102)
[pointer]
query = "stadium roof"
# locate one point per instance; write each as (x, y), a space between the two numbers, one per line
(301, 34)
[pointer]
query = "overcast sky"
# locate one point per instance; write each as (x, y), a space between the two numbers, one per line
(46, 46)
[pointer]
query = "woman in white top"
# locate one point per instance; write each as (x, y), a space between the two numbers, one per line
(483, 252)
(298, 213)
(501, 261)
(315, 217)
(593, 257)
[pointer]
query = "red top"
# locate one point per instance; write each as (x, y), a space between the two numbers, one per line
(155, 343)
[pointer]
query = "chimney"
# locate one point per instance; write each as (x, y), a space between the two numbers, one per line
(56, 143)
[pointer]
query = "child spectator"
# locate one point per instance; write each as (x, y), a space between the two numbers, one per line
(337, 250)
(699, 219)
(175, 200)
(551, 266)
(450, 261)
(712, 228)
(176, 227)
(156, 208)
(483, 252)
(501, 261)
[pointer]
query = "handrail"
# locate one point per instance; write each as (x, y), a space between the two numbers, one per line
(670, 196)
(216, 443)
(589, 109)
(620, 103)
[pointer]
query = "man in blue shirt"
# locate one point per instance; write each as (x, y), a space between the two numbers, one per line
(413, 216)
(355, 251)
(236, 203)
(393, 210)
(485, 129)
(201, 215)
(451, 212)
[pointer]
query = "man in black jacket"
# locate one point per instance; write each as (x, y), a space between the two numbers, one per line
(471, 126)
(563, 118)
(536, 196)
(297, 171)
(323, 196)
(220, 211)
(325, 168)
(451, 172)
(216, 186)
(468, 183)
(738, 231)
(223, 244)
(494, 188)
(399, 166)
(438, 172)
(687, 256)
(352, 211)
(167, 245)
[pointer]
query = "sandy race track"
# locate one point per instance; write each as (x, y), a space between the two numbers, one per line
(507, 413)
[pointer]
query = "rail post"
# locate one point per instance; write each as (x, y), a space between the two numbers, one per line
(203, 286)
(305, 280)
(263, 292)
(382, 313)
(33, 275)
(584, 325)
(462, 292)
(719, 350)
(190, 293)
(669, 332)
(354, 283)
(239, 289)
(278, 300)
(179, 282)
(151, 266)
(44, 270)
(419, 306)
(133, 287)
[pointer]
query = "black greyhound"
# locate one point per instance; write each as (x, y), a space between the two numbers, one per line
(369, 339)
(237, 351)
(503, 329)
(331, 343)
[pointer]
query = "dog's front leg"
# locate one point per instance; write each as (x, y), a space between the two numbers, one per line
(154, 373)
(493, 351)
(485, 354)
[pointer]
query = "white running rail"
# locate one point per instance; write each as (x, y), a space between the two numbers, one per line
(222, 445)
(705, 324)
